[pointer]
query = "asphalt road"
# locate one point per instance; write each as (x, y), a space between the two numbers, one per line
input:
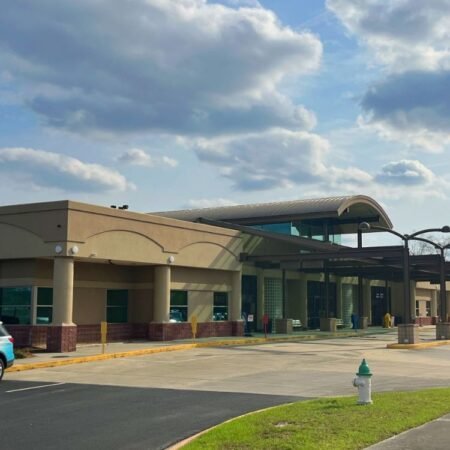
(156, 400)
(81, 416)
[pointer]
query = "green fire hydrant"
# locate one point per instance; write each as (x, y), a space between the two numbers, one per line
(364, 384)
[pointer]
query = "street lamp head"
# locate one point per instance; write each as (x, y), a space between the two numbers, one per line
(445, 229)
(364, 226)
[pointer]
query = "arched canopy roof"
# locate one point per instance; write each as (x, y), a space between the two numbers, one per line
(344, 213)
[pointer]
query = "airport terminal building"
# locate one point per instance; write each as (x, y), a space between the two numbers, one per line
(67, 266)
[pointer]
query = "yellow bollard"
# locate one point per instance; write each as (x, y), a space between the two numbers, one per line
(194, 326)
(103, 332)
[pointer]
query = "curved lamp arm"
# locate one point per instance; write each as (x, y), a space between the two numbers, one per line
(444, 229)
(365, 226)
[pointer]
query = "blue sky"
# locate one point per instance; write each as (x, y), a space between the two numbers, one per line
(168, 104)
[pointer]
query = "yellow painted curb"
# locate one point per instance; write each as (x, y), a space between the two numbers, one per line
(418, 346)
(170, 348)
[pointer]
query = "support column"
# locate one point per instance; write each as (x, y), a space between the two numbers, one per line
(62, 334)
(367, 300)
(412, 293)
(236, 304)
(433, 311)
(260, 298)
(160, 329)
(303, 288)
(161, 297)
(339, 298)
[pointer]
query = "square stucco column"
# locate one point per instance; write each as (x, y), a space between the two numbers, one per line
(161, 298)
(236, 296)
(236, 304)
(62, 334)
(434, 303)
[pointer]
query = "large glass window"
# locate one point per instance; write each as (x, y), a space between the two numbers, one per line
(220, 309)
(44, 309)
(117, 306)
(15, 305)
(428, 308)
(178, 306)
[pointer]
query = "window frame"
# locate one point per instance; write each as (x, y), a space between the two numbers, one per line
(220, 309)
(114, 308)
(176, 306)
(29, 307)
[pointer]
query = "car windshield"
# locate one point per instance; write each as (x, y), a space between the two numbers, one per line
(3, 331)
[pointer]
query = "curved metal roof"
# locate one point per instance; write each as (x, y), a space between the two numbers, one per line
(345, 209)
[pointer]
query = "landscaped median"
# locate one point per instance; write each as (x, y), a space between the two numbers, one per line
(168, 348)
(330, 423)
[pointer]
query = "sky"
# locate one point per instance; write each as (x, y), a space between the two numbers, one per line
(173, 104)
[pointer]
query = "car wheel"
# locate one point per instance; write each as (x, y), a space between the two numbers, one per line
(2, 368)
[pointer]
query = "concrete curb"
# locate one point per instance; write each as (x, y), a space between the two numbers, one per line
(169, 348)
(418, 346)
(182, 443)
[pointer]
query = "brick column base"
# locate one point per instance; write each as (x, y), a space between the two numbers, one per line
(408, 333)
(442, 331)
(237, 328)
(62, 338)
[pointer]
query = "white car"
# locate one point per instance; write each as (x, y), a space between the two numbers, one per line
(6, 350)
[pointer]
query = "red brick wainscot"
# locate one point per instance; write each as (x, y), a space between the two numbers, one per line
(89, 334)
(28, 335)
(62, 338)
(183, 330)
(421, 321)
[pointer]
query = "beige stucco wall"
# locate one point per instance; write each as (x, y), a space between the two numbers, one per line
(140, 308)
(89, 305)
(195, 279)
(94, 233)
(201, 305)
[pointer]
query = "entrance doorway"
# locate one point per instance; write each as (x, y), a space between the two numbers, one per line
(380, 304)
(249, 300)
(317, 303)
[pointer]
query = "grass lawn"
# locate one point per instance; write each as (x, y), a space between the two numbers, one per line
(332, 423)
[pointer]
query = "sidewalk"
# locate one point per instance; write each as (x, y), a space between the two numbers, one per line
(93, 352)
(432, 436)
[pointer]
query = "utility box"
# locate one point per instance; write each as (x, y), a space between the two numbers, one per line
(328, 324)
(283, 326)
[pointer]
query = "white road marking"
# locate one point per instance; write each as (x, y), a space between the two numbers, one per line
(35, 387)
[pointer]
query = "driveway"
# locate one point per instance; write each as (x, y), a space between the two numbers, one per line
(152, 401)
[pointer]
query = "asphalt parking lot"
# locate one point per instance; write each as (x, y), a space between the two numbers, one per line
(172, 395)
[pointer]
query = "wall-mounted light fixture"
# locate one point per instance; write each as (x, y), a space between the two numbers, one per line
(58, 249)
(171, 259)
(74, 250)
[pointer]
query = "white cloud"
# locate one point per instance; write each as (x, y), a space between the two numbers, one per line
(138, 157)
(174, 66)
(209, 203)
(171, 162)
(403, 34)
(276, 159)
(409, 38)
(43, 169)
(406, 173)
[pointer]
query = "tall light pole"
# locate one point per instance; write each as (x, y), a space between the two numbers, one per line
(442, 286)
(365, 226)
